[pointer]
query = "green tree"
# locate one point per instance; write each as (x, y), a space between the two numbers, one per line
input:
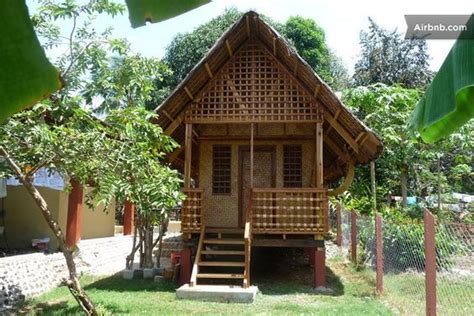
(407, 165)
(138, 174)
(310, 42)
(59, 139)
(128, 80)
(388, 58)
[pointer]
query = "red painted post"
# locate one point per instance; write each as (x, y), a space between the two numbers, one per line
(185, 269)
(338, 225)
(354, 237)
(320, 266)
(430, 263)
(74, 214)
(378, 254)
(128, 218)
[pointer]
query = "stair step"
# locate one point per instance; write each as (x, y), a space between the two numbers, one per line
(224, 241)
(221, 264)
(223, 252)
(225, 230)
(219, 276)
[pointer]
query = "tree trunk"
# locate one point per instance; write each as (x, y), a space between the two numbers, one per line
(404, 184)
(148, 245)
(73, 283)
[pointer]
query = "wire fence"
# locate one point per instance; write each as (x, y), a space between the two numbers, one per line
(401, 272)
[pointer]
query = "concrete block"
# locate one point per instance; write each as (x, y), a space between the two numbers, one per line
(148, 273)
(218, 293)
(159, 278)
(129, 274)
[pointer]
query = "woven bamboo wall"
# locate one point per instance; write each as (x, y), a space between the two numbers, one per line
(222, 210)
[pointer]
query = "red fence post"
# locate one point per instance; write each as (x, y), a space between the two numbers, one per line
(354, 237)
(430, 263)
(128, 218)
(338, 225)
(378, 254)
(74, 214)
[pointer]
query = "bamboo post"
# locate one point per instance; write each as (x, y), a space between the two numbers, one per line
(251, 154)
(338, 225)
(379, 254)
(187, 155)
(430, 264)
(354, 237)
(319, 155)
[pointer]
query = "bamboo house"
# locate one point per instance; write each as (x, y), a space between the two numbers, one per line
(262, 137)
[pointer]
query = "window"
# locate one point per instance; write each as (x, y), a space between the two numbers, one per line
(221, 169)
(292, 166)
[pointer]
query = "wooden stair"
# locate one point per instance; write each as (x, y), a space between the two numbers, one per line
(222, 257)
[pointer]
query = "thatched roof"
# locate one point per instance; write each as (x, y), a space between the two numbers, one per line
(352, 138)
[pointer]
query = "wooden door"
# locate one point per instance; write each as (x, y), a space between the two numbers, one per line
(263, 174)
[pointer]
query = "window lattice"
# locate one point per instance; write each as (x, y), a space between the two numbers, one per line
(221, 169)
(253, 88)
(292, 166)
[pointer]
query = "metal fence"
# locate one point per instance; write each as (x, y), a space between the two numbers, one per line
(418, 267)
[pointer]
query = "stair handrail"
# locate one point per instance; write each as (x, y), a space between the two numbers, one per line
(192, 281)
(248, 238)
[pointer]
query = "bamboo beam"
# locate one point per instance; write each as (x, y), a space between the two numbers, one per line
(208, 69)
(174, 125)
(229, 49)
(187, 154)
(247, 23)
(190, 95)
(168, 116)
(342, 131)
(344, 156)
(316, 90)
(172, 157)
(347, 181)
(319, 155)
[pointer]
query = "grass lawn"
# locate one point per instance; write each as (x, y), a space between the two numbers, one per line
(281, 293)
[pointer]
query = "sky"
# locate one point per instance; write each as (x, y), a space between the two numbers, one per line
(341, 20)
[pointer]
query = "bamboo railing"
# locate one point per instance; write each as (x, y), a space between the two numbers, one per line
(191, 211)
(289, 211)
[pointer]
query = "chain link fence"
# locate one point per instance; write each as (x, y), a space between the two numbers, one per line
(403, 267)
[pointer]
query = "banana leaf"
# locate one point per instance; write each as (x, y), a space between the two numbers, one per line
(142, 11)
(449, 101)
(26, 75)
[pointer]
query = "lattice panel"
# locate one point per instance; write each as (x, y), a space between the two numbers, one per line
(289, 210)
(253, 88)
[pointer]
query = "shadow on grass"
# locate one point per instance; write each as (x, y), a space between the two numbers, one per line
(117, 284)
(62, 308)
(278, 271)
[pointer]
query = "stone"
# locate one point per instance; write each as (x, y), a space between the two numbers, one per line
(218, 293)
(159, 278)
